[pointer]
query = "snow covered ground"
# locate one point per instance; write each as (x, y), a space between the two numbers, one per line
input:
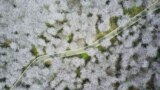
(30, 28)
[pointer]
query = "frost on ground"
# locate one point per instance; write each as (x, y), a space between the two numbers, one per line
(29, 28)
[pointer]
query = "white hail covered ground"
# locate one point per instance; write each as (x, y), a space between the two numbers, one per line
(47, 24)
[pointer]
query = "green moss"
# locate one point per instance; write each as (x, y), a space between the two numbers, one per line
(49, 25)
(101, 48)
(133, 11)
(34, 51)
(43, 37)
(5, 44)
(70, 38)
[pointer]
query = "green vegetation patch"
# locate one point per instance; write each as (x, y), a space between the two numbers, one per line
(89, 15)
(60, 31)
(78, 72)
(157, 11)
(115, 41)
(70, 38)
(150, 83)
(113, 25)
(34, 51)
(101, 48)
(44, 38)
(157, 57)
(5, 44)
(49, 25)
(66, 88)
(85, 56)
(133, 11)
(24, 68)
(158, 52)
(3, 79)
(44, 50)
(61, 22)
(46, 7)
(48, 63)
(113, 22)
(116, 85)
(6, 87)
(136, 42)
(100, 35)
(132, 88)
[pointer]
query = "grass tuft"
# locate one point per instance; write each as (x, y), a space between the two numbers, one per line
(133, 11)
(101, 48)
(113, 22)
(70, 38)
(113, 25)
(44, 38)
(132, 88)
(100, 35)
(5, 44)
(34, 51)
(78, 72)
(66, 88)
(44, 50)
(49, 25)
(86, 57)
(157, 11)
